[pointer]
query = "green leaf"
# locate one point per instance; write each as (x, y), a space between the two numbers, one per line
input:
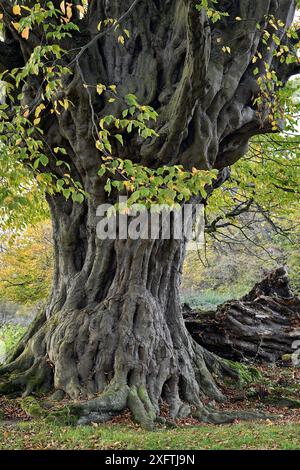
(119, 138)
(107, 186)
(78, 197)
(44, 160)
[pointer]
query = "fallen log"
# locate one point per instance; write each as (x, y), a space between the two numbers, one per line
(264, 325)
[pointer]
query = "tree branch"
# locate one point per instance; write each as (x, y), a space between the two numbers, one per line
(238, 210)
(103, 33)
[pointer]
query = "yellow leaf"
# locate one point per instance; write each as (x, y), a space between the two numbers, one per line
(1, 16)
(16, 10)
(100, 88)
(121, 40)
(63, 7)
(80, 8)
(39, 109)
(228, 49)
(69, 12)
(16, 25)
(99, 145)
(25, 33)
(37, 121)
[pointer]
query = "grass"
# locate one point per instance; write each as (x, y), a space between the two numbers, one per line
(39, 435)
(20, 432)
(9, 336)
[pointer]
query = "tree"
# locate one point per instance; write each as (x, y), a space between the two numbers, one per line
(151, 99)
(258, 190)
(256, 212)
(26, 266)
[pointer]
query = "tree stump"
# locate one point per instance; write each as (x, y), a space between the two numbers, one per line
(264, 325)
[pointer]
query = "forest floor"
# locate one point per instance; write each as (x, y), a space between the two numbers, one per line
(40, 436)
(19, 430)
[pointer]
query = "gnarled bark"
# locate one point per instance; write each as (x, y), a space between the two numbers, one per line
(264, 325)
(113, 328)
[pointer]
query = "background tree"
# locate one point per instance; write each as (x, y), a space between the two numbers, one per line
(26, 266)
(264, 184)
(80, 113)
(253, 218)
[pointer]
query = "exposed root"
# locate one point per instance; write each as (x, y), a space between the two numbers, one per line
(109, 404)
(182, 400)
(131, 354)
(15, 378)
(144, 414)
(141, 407)
(115, 400)
(210, 416)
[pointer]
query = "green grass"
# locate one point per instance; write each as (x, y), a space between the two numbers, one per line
(9, 337)
(39, 435)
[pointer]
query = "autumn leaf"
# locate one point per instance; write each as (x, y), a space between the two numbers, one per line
(63, 7)
(25, 33)
(69, 12)
(121, 40)
(100, 88)
(39, 109)
(16, 10)
(80, 8)
(16, 25)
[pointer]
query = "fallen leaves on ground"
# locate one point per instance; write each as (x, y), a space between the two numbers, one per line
(11, 410)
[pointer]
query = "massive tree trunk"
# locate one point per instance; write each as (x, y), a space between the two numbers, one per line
(113, 328)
